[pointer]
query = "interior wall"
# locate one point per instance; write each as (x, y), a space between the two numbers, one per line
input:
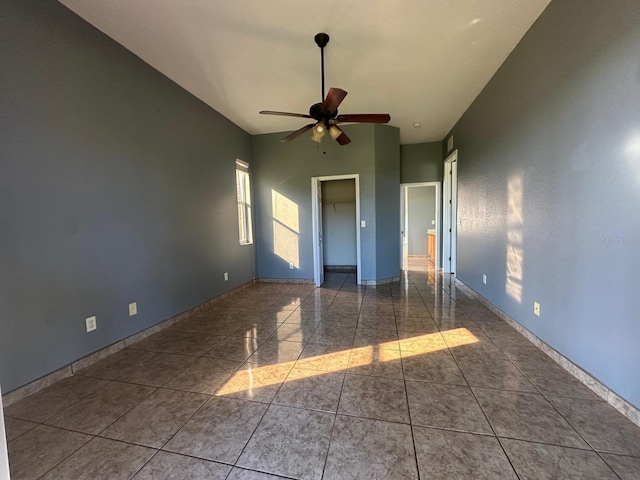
(283, 173)
(339, 222)
(116, 186)
(421, 162)
(387, 200)
(421, 212)
(549, 184)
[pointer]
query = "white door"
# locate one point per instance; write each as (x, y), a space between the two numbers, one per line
(318, 245)
(450, 215)
(404, 225)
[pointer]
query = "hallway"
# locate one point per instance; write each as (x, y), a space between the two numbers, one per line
(400, 381)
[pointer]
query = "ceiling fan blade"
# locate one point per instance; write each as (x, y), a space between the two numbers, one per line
(285, 114)
(333, 100)
(364, 118)
(343, 139)
(298, 132)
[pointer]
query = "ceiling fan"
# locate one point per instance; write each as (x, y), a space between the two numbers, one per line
(325, 113)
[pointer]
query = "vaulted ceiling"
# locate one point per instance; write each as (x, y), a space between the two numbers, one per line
(421, 61)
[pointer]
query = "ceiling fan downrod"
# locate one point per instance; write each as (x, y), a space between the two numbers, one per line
(321, 40)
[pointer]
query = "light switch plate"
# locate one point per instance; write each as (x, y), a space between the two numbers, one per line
(91, 323)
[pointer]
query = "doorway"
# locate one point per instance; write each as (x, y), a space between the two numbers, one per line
(420, 224)
(450, 213)
(336, 224)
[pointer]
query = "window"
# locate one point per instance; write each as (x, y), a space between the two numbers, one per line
(243, 187)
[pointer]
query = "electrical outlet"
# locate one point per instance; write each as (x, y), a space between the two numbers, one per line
(536, 309)
(226, 276)
(290, 266)
(484, 279)
(91, 323)
(133, 309)
(363, 223)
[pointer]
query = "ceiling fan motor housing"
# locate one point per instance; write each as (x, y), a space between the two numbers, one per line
(317, 112)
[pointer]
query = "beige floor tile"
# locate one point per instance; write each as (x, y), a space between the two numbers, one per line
(97, 411)
(374, 397)
(219, 431)
(355, 451)
(102, 459)
(537, 461)
(443, 455)
(291, 442)
(37, 451)
(170, 466)
(51, 400)
(157, 418)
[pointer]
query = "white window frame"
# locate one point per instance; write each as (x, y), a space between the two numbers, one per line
(243, 194)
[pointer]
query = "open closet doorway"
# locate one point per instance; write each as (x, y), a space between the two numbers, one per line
(420, 225)
(336, 221)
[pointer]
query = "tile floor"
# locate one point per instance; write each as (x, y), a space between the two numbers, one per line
(412, 380)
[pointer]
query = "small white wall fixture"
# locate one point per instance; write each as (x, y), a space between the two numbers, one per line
(404, 218)
(450, 212)
(316, 212)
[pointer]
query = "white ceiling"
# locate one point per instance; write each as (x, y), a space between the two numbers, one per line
(418, 60)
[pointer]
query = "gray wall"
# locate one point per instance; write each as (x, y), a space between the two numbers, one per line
(116, 186)
(421, 211)
(421, 162)
(285, 170)
(387, 155)
(549, 187)
(339, 222)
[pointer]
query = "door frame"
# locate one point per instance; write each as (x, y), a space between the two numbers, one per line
(4, 457)
(316, 213)
(450, 213)
(404, 222)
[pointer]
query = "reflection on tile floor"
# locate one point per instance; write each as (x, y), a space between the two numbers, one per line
(408, 380)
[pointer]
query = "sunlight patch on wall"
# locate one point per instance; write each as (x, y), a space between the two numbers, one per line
(632, 151)
(286, 229)
(515, 222)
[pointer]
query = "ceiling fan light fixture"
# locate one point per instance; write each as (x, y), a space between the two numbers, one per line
(334, 131)
(319, 128)
(317, 137)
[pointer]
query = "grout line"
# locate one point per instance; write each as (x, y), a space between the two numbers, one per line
(68, 456)
(413, 437)
(495, 434)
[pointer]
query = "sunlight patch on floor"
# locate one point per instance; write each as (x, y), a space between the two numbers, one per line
(252, 378)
